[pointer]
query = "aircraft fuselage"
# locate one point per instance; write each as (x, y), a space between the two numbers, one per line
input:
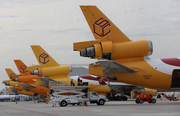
(162, 74)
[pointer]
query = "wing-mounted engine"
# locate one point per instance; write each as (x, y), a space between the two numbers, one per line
(52, 71)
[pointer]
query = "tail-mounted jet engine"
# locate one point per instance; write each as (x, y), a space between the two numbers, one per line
(26, 79)
(110, 51)
(11, 83)
(52, 71)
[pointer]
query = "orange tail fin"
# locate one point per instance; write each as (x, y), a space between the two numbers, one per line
(10, 73)
(21, 67)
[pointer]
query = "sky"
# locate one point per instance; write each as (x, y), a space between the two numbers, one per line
(57, 24)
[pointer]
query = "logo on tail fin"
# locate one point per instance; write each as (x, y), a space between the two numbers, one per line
(43, 58)
(23, 69)
(11, 75)
(101, 27)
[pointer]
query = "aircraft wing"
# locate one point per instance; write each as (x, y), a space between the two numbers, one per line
(83, 70)
(119, 88)
(114, 67)
(26, 86)
(46, 80)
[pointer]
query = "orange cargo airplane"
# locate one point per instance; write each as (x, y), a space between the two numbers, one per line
(125, 59)
(50, 70)
(27, 81)
(13, 85)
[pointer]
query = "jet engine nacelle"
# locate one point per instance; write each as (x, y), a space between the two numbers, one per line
(52, 71)
(110, 51)
(26, 79)
(11, 83)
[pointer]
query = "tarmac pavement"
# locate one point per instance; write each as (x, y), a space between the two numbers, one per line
(112, 108)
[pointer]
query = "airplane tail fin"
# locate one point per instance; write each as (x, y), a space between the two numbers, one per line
(101, 26)
(21, 67)
(10, 73)
(43, 58)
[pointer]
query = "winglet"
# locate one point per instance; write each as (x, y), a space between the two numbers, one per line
(43, 58)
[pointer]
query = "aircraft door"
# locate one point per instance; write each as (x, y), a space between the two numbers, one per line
(175, 79)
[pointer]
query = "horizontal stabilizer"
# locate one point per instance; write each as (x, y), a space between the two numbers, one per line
(14, 89)
(119, 88)
(82, 45)
(15, 76)
(114, 67)
(25, 86)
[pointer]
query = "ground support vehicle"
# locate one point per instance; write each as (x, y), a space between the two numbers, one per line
(174, 97)
(64, 100)
(144, 97)
(73, 95)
